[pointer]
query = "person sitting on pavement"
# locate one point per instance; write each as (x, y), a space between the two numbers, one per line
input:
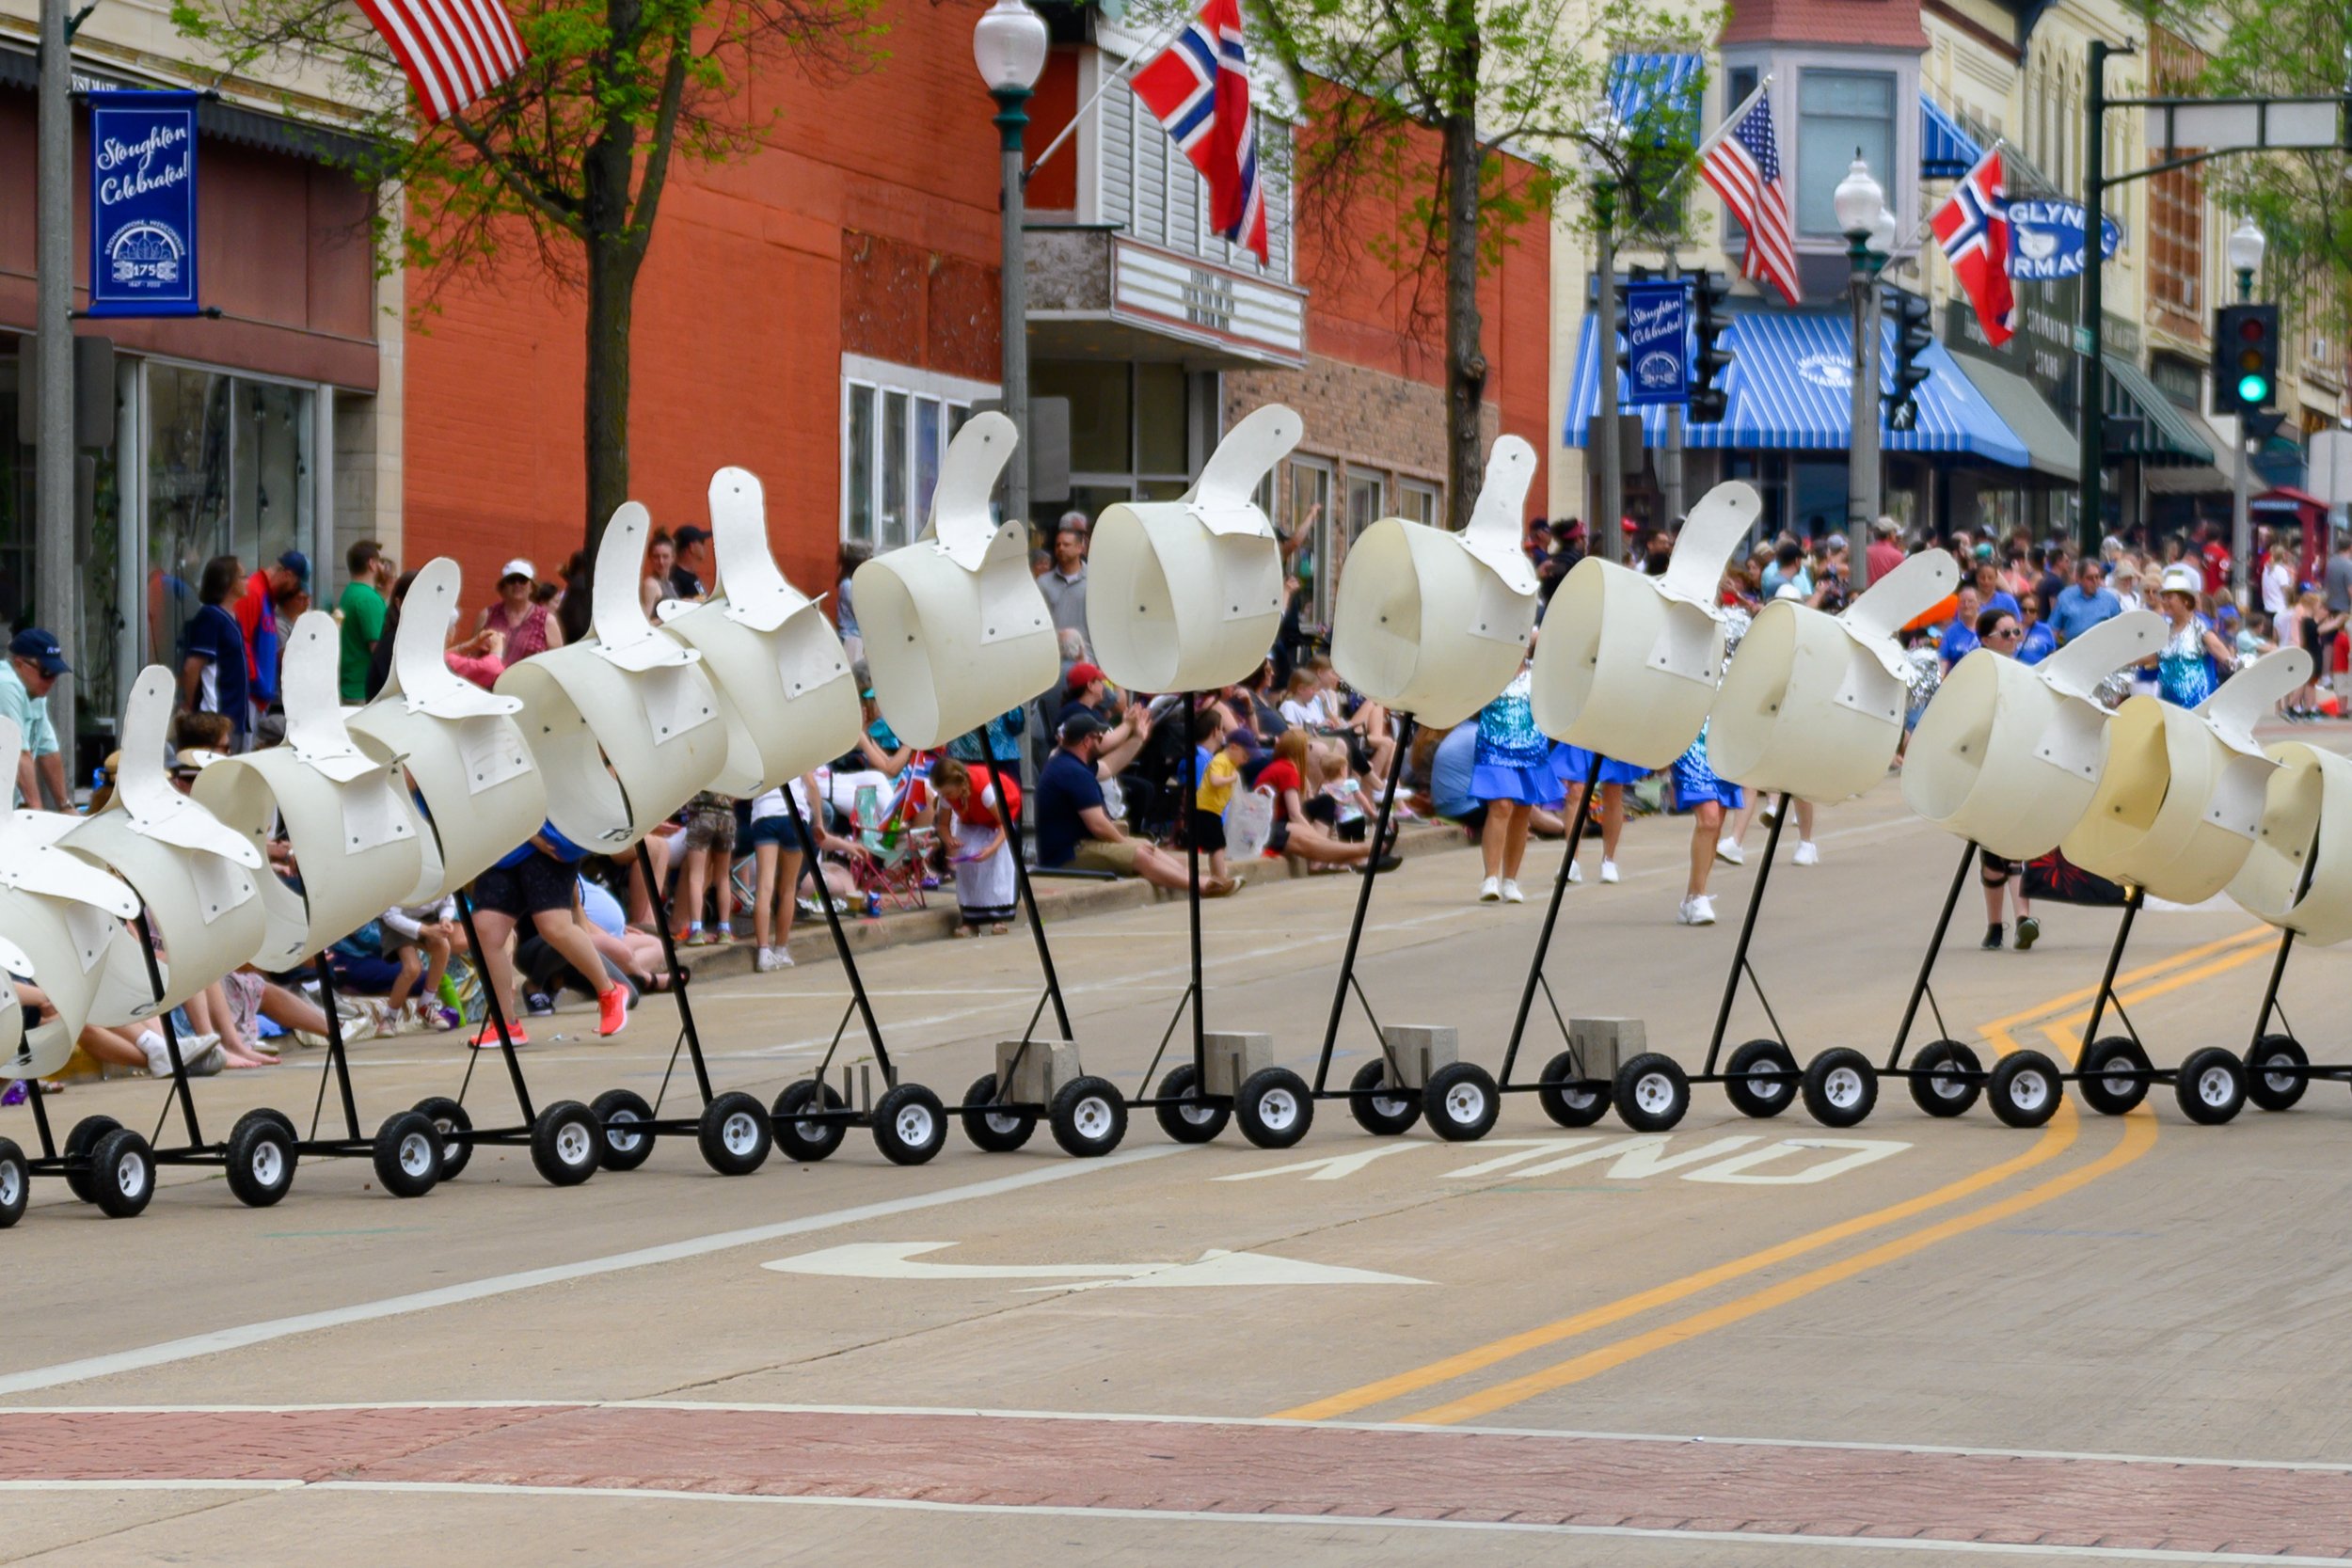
(1300, 826)
(1074, 828)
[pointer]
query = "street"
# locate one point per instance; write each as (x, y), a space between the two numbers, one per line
(1750, 1342)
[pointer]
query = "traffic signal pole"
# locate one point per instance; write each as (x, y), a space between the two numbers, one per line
(2092, 526)
(55, 589)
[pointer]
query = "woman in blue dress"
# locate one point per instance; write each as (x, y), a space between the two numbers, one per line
(1572, 766)
(1511, 775)
(2190, 664)
(1706, 796)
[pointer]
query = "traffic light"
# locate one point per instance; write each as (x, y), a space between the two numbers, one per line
(1912, 337)
(1710, 298)
(2245, 358)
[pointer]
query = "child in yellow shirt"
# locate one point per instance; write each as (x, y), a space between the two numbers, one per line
(1218, 757)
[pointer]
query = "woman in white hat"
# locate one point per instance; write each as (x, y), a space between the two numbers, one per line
(526, 627)
(2195, 658)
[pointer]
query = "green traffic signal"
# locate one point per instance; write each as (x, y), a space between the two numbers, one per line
(2253, 391)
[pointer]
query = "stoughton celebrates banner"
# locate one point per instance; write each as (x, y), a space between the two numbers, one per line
(1657, 342)
(142, 186)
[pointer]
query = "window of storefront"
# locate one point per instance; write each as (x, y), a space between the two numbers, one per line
(1838, 112)
(1131, 428)
(896, 424)
(1424, 503)
(1310, 488)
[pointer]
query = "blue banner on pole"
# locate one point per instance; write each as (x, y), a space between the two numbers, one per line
(2045, 238)
(1657, 342)
(142, 186)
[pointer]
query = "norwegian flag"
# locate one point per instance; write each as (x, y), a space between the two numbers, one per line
(1199, 88)
(1973, 228)
(453, 51)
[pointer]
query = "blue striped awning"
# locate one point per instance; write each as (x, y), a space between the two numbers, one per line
(1789, 387)
(1945, 150)
(1658, 94)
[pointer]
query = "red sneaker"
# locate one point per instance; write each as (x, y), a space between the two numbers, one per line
(613, 1011)
(486, 1039)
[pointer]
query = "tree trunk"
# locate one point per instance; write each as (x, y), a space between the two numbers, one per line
(611, 288)
(1465, 359)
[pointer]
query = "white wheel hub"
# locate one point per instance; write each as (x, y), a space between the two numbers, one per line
(573, 1145)
(268, 1164)
(11, 1184)
(2215, 1086)
(617, 1133)
(1278, 1109)
(740, 1133)
(2278, 1083)
(1654, 1094)
(1092, 1118)
(2029, 1091)
(1465, 1103)
(1845, 1088)
(915, 1126)
(415, 1155)
(1002, 1123)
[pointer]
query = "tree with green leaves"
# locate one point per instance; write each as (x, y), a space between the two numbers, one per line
(1478, 79)
(565, 163)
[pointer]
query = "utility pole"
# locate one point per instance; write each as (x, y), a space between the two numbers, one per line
(54, 581)
(1670, 479)
(1605, 530)
(2092, 526)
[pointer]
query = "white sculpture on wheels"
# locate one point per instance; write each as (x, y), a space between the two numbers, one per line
(60, 915)
(2008, 755)
(1434, 622)
(460, 746)
(1813, 704)
(1187, 595)
(1628, 665)
(356, 845)
(2298, 874)
(772, 651)
(624, 724)
(955, 628)
(2182, 797)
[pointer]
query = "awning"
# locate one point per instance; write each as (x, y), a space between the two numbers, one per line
(2054, 447)
(1654, 91)
(1945, 150)
(1789, 387)
(2161, 434)
(271, 133)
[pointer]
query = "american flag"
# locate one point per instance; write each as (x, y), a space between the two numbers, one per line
(454, 51)
(1973, 228)
(1741, 161)
(1199, 88)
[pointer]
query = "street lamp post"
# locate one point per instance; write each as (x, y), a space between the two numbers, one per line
(2244, 250)
(1600, 168)
(1859, 204)
(1008, 45)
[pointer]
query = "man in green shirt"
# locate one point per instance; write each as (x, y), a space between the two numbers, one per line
(362, 611)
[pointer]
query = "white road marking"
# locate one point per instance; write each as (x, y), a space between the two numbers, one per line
(218, 1340)
(1335, 1168)
(1213, 1268)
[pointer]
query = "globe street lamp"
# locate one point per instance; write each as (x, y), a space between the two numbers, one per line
(1860, 204)
(2244, 251)
(1008, 44)
(1599, 157)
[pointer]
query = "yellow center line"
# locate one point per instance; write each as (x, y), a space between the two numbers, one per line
(2055, 1139)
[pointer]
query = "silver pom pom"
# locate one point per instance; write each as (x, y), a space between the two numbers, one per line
(1926, 674)
(1735, 628)
(2115, 689)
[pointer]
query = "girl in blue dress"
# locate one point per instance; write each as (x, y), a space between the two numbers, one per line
(1706, 796)
(1511, 775)
(1572, 766)
(2189, 665)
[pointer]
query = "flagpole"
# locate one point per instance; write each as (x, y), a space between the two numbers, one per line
(1138, 57)
(1722, 127)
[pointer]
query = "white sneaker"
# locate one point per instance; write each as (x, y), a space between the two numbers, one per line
(158, 1056)
(1728, 851)
(1511, 894)
(784, 957)
(1576, 872)
(764, 960)
(1608, 871)
(1490, 889)
(1808, 854)
(1696, 912)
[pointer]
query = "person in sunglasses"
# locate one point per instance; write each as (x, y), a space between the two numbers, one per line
(2002, 633)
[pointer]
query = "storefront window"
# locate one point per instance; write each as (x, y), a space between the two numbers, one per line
(1840, 114)
(896, 424)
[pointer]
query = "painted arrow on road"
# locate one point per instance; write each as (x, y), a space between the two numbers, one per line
(904, 1260)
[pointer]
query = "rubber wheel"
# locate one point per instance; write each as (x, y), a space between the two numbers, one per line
(1652, 1093)
(1840, 1087)
(1188, 1124)
(2276, 1091)
(1273, 1108)
(124, 1173)
(1461, 1102)
(2112, 1096)
(735, 1134)
(1570, 1097)
(16, 1184)
(2023, 1088)
(617, 1112)
(1089, 1119)
(278, 1120)
(408, 1155)
(567, 1142)
(808, 1141)
(2211, 1086)
(1762, 1097)
(1383, 1115)
(1946, 1078)
(448, 1116)
(910, 1125)
(78, 1144)
(993, 1130)
(260, 1162)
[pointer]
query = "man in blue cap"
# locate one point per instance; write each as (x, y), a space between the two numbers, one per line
(35, 662)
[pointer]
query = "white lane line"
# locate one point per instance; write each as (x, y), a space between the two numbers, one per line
(218, 1341)
(248, 1483)
(764, 1407)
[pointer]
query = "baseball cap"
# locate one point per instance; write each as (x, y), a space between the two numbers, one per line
(41, 648)
(1079, 725)
(1082, 674)
(690, 535)
(299, 563)
(519, 567)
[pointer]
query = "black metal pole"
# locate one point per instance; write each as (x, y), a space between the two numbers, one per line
(1747, 930)
(336, 1061)
(1935, 946)
(840, 937)
(2115, 958)
(1551, 919)
(1192, 899)
(496, 1004)
(1028, 895)
(1363, 900)
(172, 1033)
(678, 976)
(2286, 945)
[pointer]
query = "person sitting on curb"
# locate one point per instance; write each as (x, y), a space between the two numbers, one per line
(1074, 828)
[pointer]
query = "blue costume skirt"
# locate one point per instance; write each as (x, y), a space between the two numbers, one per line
(1571, 764)
(1695, 781)
(1494, 780)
